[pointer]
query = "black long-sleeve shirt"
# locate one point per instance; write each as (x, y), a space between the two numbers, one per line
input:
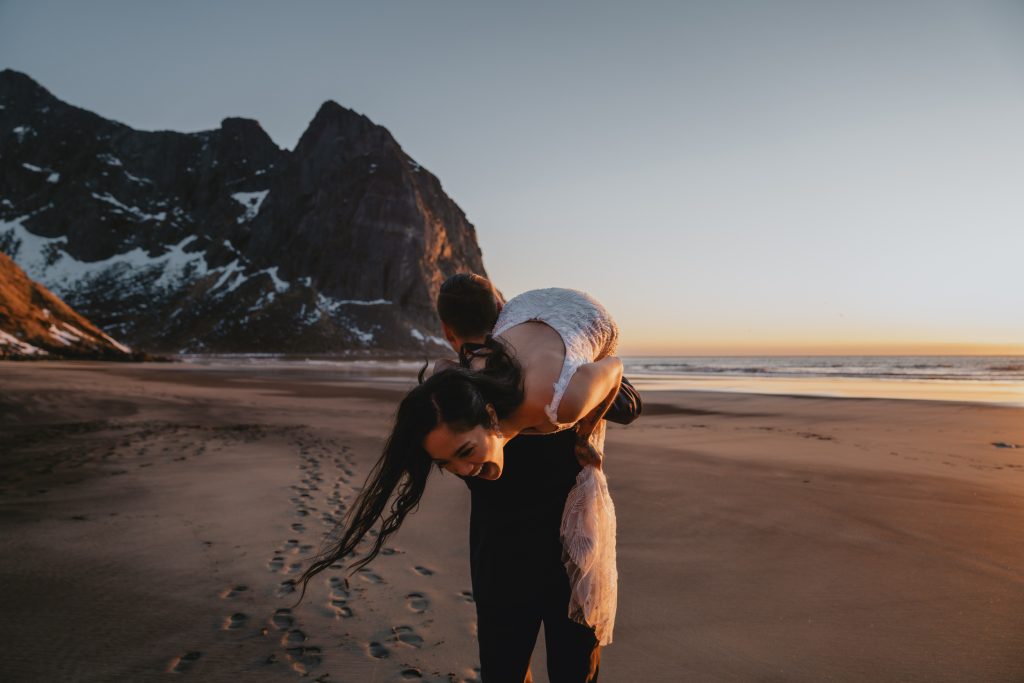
(514, 525)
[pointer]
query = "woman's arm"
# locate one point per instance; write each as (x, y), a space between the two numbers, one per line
(586, 453)
(591, 386)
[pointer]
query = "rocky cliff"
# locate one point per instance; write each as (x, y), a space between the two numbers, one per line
(36, 324)
(220, 241)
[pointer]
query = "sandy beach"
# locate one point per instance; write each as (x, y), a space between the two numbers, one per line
(155, 516)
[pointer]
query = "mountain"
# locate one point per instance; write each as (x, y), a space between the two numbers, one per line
(36, 324)
(220, 241)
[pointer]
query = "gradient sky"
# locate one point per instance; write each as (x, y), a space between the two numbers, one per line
(727, 177)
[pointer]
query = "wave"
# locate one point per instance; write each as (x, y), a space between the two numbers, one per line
(905, 368)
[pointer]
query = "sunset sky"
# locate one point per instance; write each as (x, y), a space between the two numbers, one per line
(728, 177)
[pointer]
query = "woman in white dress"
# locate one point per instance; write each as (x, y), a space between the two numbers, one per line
(548, 365)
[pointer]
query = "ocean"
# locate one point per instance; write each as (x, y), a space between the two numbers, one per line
(986, 379)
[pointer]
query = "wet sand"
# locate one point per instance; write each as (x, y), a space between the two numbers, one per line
(154, 517)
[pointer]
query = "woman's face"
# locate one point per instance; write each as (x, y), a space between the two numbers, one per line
(477, 452)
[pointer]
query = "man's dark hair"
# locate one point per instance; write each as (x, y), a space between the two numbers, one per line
(468, 304)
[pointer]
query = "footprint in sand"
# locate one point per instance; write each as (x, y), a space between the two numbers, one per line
(423, 570)
(282, 619)
(417, 602)
(341, 608)
(293, 638)
(184, 662)
(285, 587)
(276, 563)
(235, 621)
(406, 635)
(369, 576)
(233, 592)
(379, 651)
(299, 527)
(304, 658)
(339, 588)
(411, 674)
(467, 596)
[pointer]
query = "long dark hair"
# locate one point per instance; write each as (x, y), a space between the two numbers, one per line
(458, 397)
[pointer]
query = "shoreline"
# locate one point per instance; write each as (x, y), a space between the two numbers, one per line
(990, 392)
(404, 370)
(963, 394)
(1009, 394)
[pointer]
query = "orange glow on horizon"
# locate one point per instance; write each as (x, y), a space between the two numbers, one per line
(632, 347)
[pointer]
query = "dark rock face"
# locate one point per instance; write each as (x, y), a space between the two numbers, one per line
(219, 241)
(35, 324)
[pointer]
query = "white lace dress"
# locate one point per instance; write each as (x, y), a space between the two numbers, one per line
(588, 521)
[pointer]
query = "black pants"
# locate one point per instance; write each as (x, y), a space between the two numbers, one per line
(518, 577)
(507, 633)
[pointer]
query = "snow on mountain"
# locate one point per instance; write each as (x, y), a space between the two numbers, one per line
(221, 241)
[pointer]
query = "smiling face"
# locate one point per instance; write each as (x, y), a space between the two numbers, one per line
(477, 452)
